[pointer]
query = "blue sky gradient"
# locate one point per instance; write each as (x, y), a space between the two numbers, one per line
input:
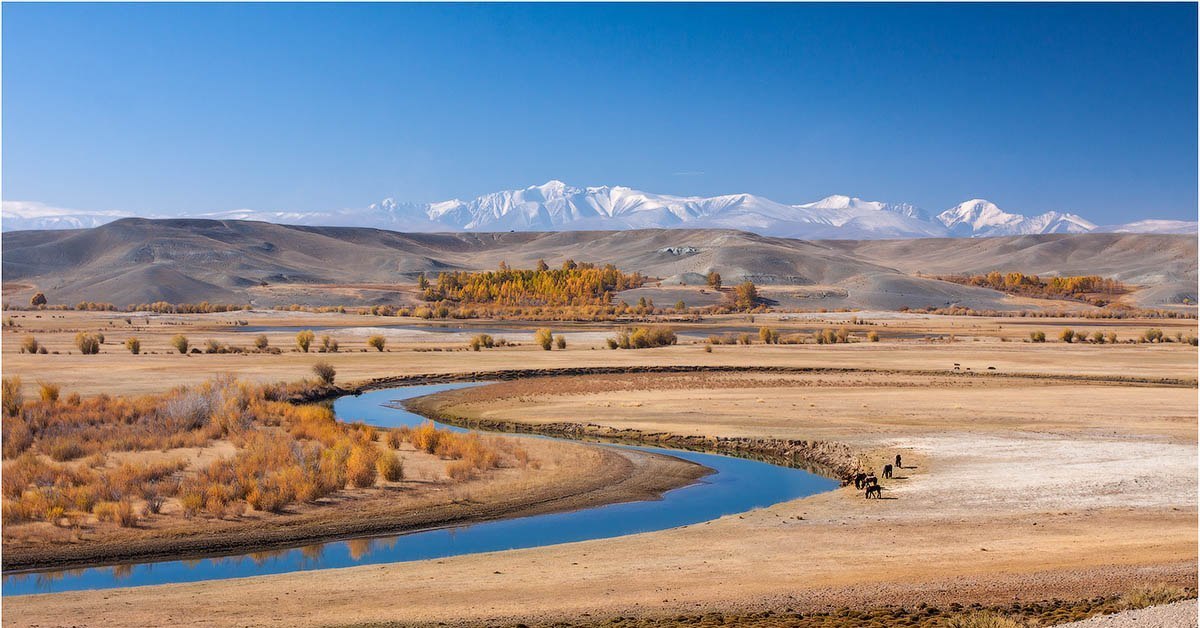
(165, 108)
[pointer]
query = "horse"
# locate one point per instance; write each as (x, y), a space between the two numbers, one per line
(876, 490)
(870, 481)
(887, 470)
(858, 479)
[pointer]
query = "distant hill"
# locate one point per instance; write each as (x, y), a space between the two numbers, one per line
(137, 260)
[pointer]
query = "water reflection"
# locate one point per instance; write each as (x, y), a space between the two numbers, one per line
(738, 485)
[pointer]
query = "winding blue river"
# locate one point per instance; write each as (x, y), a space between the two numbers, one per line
(736, 486)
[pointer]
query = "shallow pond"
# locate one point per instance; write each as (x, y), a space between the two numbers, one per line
(737, 486)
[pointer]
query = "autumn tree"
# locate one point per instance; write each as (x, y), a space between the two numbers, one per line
(38, 300)
(376, 342)
(304, 339)
(714, 279)
(745, 296)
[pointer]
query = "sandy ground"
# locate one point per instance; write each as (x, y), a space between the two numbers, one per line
(1177, 615)
(1013, 489)
(977, 346)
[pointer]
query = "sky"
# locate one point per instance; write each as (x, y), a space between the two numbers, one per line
(187, 108)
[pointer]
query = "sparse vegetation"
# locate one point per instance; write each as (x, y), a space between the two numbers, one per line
(180, 342)
(1037, 336)
(544, 337)
(261, 343)
(714, 279)
(1152, 335)
(873, 336)
(560, 341)
(1067, 335)
(324, 372)
(133, 344)
(643, 338)
(29, 344)
(88, 344)
(376, 342)
(13, 401)
(745, 296)
(304, 339)
(37, 300)
(1091, 289)
(481, 341)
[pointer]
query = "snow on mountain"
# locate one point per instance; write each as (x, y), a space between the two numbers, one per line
(557, 206)
(19, 215)
(1153, 226)
(980, 218)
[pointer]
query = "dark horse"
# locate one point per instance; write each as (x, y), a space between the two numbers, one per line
(887, 470)
(870, 481)
(876, 490)
(898, 465)
(858, 479)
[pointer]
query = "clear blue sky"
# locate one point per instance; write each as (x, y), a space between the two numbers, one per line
(164, 108)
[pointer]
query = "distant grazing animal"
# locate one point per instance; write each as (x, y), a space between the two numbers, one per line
(858, 479)
(876, 491)
(871, 480)
(887, 470)
(898, 465)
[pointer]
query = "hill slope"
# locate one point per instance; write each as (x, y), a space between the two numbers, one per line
(231, 261)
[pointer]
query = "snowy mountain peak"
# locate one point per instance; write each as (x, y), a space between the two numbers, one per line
(980, 217)
(558, 206)
(853, 203)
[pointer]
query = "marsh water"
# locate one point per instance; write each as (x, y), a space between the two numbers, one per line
(737, 485)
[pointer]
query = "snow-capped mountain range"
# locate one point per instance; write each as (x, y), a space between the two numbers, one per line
(556, 206)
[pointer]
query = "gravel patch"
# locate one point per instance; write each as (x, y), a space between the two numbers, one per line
(1177, 615)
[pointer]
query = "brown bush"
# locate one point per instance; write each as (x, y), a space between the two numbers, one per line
(10, 390)
(29, 344)
(325, 372)
(88, 344)
(376, 342)
(360, 466)
(304, 339)
(180, 342)
(133, 344)
(390, 467)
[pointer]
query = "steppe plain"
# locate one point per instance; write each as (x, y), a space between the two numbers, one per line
(1044, 471)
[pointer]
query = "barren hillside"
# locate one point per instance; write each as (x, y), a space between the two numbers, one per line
(231, 261)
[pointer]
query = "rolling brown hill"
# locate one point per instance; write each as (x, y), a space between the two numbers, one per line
(229, 261)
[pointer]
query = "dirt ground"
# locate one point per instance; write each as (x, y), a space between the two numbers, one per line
(1012, 488)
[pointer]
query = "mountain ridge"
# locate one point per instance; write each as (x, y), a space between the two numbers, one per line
(557, 206)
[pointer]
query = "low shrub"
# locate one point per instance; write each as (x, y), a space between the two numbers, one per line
(544, 337)
(88, 344)
(390, 467)
(180, 342)
(643, 338)
(376, 342)
(325, 372)
(134, 345)
(29, 344)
